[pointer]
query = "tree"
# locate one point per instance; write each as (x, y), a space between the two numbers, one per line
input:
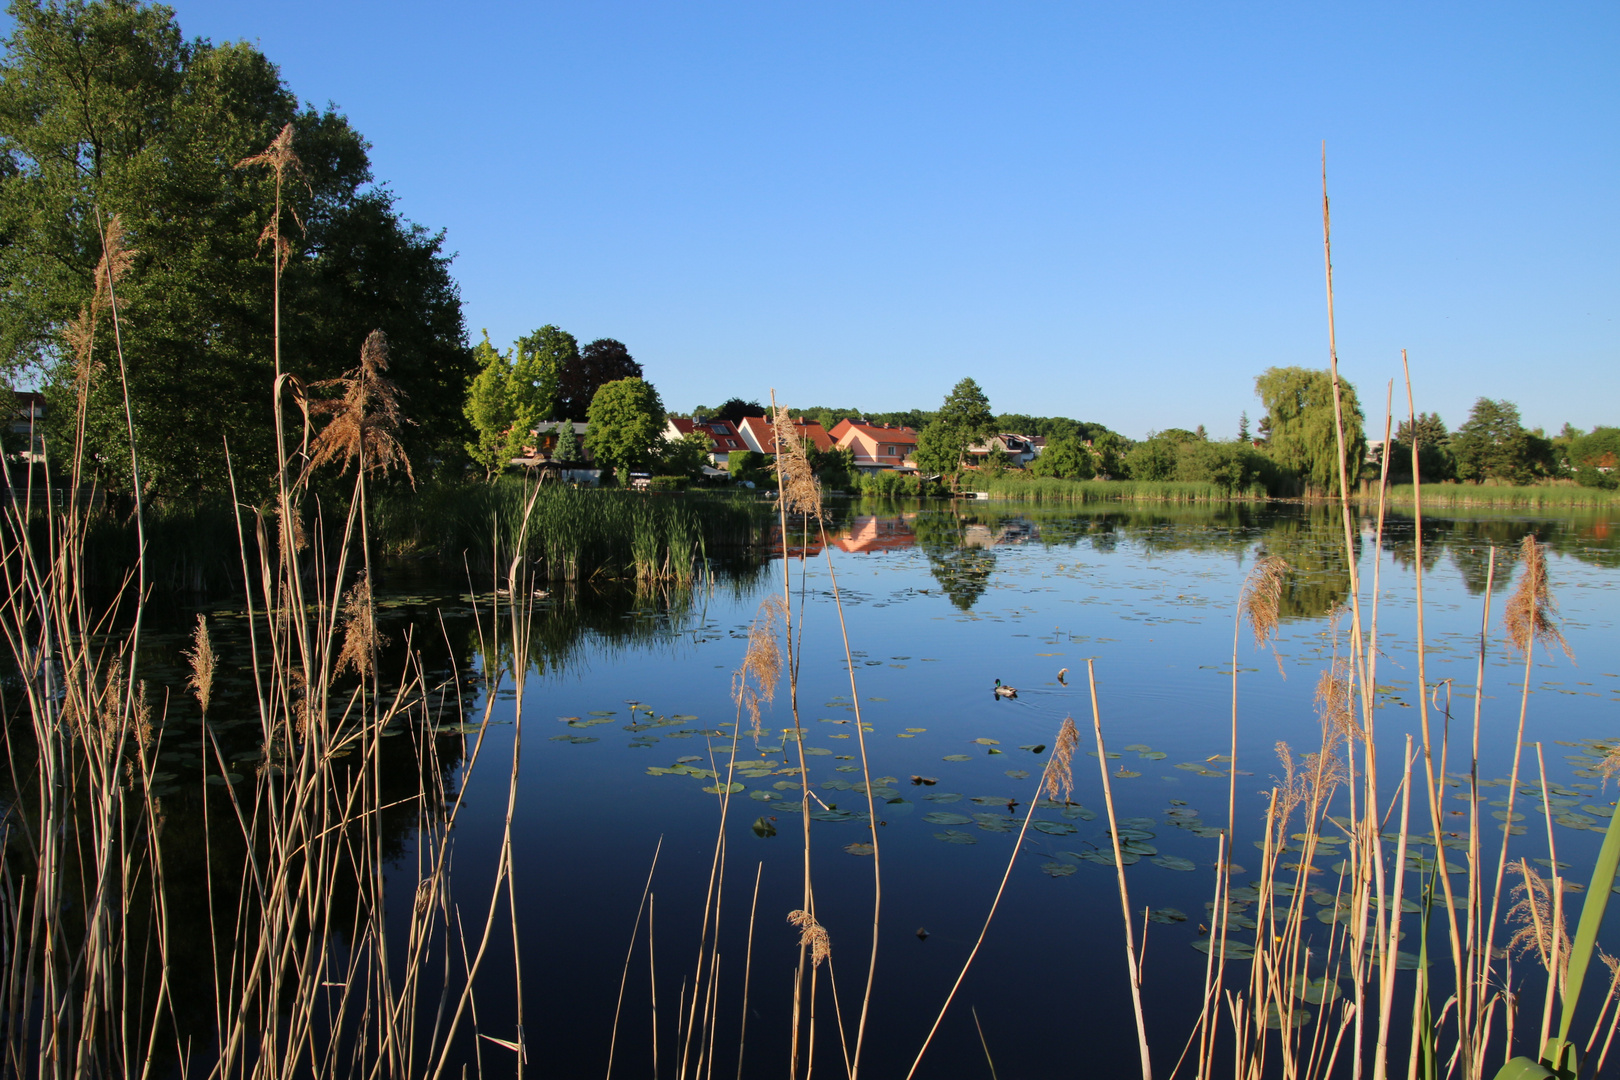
(685, 456)
(1235, 466)
(1435, 463)
(1494, 445)
(583, 373)
(748, 465)
(106, 109)
(490, 410)
(1110, 449)
(1154, 459)
(964, 419)
(626, 428)
(512, 393)
(567, 452)
(1066, 458)
(1300, 427)
(1243, 426)
(732, 410)
(537, 363)
(1599, 449)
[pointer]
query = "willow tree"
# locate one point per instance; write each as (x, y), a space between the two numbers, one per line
(1300, 429)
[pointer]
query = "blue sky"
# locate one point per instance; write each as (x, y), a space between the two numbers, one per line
(1107, 211)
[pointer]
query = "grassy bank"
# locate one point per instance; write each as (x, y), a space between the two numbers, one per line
(1049, 489)
(1504, 496)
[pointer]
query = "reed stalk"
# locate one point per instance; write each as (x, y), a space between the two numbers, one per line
(1124, 891)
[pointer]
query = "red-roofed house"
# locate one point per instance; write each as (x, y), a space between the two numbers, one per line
(724, 439)
(877, 446)
(758, 433)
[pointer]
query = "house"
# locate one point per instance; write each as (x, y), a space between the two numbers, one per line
(28, 424)
(760, 434)
(724, 439)
(877, 446)
(542, 452)
(1018, 450)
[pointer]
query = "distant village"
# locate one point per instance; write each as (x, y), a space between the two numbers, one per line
(872, 447)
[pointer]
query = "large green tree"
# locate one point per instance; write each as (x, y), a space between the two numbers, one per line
(1065, 457)
(1493, 444)
(1299, 425)
(626, 429)
(106, 109)
(511, 393)
(964, 419)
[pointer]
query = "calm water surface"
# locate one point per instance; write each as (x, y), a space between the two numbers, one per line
(622, 688)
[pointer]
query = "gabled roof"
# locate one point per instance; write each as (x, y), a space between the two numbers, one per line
(876, 432)
(760, 433)
(723, 437)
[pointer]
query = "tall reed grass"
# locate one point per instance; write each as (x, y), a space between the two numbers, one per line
(307, 970)
(1051, 489)
(1538, 497)
(569, 534)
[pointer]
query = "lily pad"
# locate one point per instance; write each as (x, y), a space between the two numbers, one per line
(1034, 748)
(945, 817)
(1173, 862)
(956, 836)
(725, 789)
(958, 757)
(1167, 915)
(1058, 869)
(1234, 950)
(859, 847)
(763, 828)
(1054, 828)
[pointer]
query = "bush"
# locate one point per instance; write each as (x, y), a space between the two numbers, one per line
(667, 483)
(1590, 476)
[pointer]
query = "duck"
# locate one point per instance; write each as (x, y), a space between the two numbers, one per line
(1005, 691)
(1063, 676)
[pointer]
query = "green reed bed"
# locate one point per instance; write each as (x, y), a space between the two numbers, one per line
(571, 534)
(1504, 496)
(1051, 489)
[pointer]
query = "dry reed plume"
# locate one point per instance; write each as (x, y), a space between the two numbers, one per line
(282, 160)
(365, 419)
(1533, 918)
(79, 334)
(201, 659)
(812, 936)
(1262, 597)
(800, 493)
(1529, 614)
(1059, 780)
(755, 680)
(360, 637)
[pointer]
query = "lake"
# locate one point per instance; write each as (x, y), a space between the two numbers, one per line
(627, 710)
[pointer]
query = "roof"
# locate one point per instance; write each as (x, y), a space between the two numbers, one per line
(758, 432)
(722, 434)
(877, 432)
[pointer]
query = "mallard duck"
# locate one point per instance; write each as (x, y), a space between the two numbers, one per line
(1005, 691)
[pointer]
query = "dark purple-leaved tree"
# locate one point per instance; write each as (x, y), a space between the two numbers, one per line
(599, 363)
